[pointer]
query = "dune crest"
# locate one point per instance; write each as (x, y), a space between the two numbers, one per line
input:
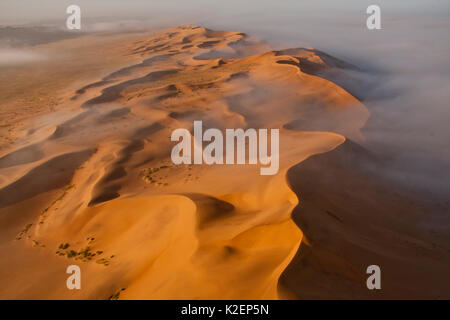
(141, 227)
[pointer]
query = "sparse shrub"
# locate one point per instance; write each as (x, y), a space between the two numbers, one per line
(71, 254)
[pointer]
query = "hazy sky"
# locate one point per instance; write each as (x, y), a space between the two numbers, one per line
(410, 54)
(338, 26)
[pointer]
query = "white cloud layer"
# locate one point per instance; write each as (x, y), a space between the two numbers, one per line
(12, 57)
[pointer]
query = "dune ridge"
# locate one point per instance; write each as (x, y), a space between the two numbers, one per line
(140, 227)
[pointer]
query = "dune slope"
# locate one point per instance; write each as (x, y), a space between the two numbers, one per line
(95, 185)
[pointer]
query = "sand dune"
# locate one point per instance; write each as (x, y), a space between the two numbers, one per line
(95, 186)
(351, 218)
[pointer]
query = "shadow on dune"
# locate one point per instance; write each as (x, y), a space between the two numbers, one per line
(209, 209)
(129, 70)
(352, 219)
(108, 187)
(53, 174)
(360, 83)
(111, 94)
(24, 155)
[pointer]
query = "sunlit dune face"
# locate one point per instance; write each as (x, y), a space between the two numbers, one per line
(92, 170)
